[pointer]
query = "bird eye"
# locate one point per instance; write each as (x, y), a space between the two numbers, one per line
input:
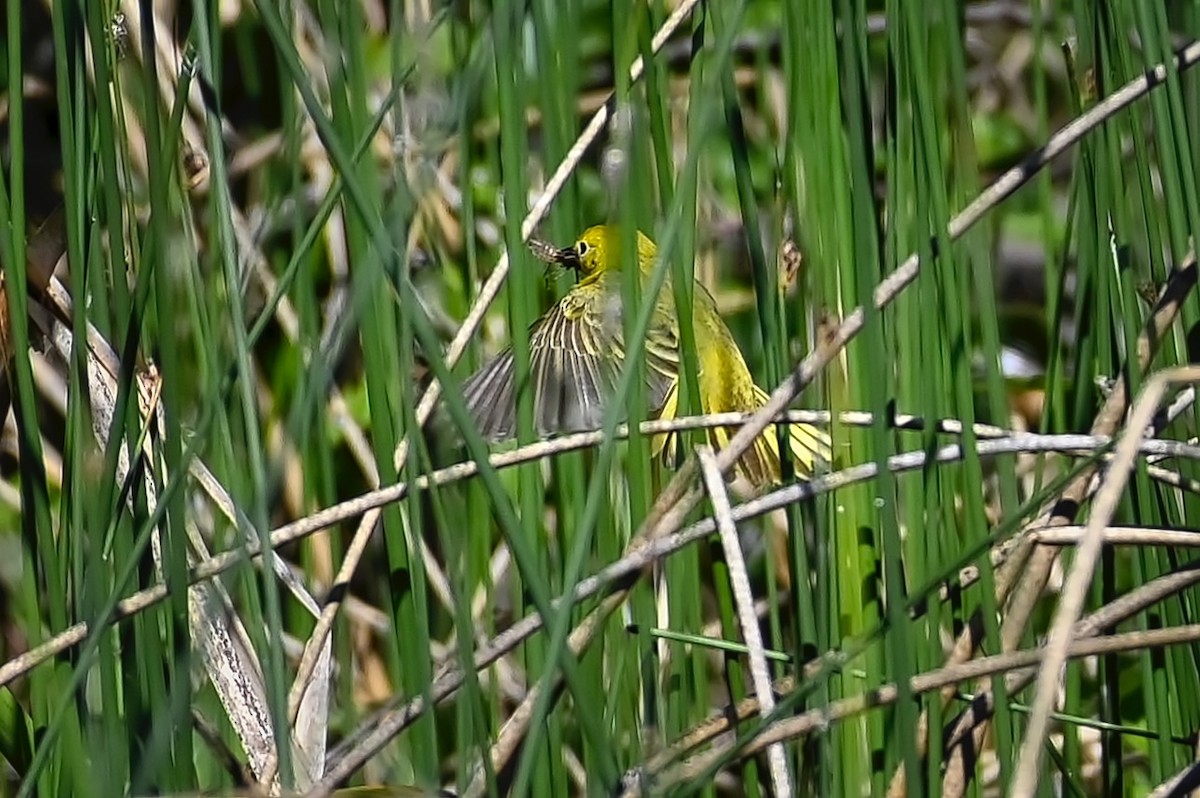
(582, 248)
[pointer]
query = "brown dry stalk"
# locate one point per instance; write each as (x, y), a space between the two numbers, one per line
(1020, 667)
(1023, 596)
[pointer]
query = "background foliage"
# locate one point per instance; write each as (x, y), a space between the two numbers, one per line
(280, 223)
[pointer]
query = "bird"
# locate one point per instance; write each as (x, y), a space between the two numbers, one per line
(578, 350)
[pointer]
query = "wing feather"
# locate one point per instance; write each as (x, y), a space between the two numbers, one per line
(571, 367)
(577, 353)
(488, 392)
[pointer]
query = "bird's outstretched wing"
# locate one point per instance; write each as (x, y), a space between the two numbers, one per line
(577, 352)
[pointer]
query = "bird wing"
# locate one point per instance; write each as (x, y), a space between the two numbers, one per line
(808, 445)
(577, 351)
(661, 353)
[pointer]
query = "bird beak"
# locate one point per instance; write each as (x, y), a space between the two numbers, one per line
(564, 257)
(568, 258)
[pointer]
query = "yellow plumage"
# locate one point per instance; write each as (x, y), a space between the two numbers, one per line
(577, 351)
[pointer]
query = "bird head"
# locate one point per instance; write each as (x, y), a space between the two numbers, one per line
(599, 250)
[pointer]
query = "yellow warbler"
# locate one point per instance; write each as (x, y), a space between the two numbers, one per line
(577, 352)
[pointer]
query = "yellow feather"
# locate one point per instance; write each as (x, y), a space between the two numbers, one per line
(588, 324)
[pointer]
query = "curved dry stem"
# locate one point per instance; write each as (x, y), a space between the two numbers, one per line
(1083, 445)
(678, 499)
(1079, 579)
(1036, 574)
(1021, 668)
(949, 676)
(963, 735)
(640, 555)
(462, 339)
(1182, 783)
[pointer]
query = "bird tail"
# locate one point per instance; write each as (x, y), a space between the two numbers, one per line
(808, 447)
(759, 464)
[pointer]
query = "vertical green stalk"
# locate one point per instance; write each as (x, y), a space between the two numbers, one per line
(799, 37)
(818, 169)
(83, 507)
(254, 497)
(506, 24)
(592, 509)
(409, 654)
(952, 292)
(629, 179)
(858, 601)
(41, 564)
(472, 568)
(769, 311)
(683, 571)
(410, 602)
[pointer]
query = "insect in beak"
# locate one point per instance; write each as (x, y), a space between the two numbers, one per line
(544, 250)
(568, 258)
(556, 259)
